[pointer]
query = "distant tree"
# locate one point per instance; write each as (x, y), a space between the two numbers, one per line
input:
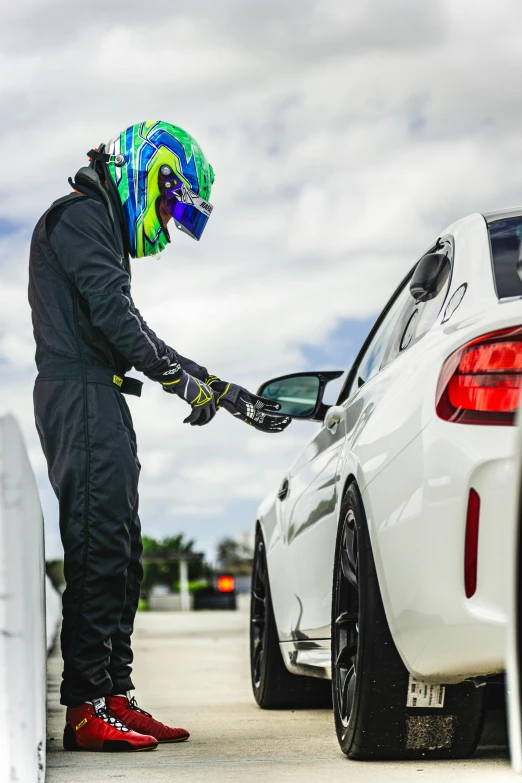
(54, 570)
(234, 556)
(165, 573)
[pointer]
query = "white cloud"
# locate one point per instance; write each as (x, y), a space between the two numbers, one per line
(344, 137)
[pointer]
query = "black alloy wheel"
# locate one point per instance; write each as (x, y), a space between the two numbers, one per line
(274, 687)
(345, 633)
(258, 614)
(370, 683)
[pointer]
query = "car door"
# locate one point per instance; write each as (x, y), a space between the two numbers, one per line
(313, 494)
(314, 479)
(309, 509)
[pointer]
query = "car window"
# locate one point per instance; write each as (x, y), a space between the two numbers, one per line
(417, 318)
(370, 363)
(506, 253)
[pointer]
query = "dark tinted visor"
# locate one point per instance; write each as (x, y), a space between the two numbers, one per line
(188, 217)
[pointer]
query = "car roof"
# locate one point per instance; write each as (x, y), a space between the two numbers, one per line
(501, 214)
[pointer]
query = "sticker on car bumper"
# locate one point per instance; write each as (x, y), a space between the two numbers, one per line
(424, 694)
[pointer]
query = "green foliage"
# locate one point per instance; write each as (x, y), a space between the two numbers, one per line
(167, 573)
(54, 570)
(234, 557)
(154, 573)
(197, 585)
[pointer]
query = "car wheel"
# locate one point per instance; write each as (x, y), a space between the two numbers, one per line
(273, 685)
(369, 680)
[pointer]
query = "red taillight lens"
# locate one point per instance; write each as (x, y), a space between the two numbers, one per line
(226, 584)
(480, 383)
(471, 544)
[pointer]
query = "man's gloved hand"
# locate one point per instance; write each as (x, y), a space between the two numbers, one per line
(198, 394)
(253, 410)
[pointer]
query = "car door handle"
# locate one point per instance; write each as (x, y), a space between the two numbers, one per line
(333, 418)
(282, 492)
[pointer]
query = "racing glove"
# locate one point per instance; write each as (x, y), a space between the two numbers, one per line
(199, 395)
(248, 407)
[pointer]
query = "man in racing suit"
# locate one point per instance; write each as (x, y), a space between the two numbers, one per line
(88, 334)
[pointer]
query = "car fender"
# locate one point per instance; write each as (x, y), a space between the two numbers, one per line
(269, 521)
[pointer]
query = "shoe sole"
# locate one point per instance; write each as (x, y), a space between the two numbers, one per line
(167, 742)
(70, 744)
(79, 749)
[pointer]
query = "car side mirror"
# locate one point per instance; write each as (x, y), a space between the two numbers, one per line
(300, 394)
(429, 277)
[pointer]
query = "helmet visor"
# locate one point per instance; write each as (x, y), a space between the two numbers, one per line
(190, 211)
(191, 218)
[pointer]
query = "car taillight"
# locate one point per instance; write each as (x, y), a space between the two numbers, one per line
(480, 383)
(226, 584)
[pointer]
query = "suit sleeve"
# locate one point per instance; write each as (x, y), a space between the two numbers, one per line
(86, 248)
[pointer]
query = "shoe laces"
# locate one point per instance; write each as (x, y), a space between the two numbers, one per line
(104, 714)
(133, 704)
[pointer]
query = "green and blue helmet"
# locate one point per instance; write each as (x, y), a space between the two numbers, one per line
(155, 163)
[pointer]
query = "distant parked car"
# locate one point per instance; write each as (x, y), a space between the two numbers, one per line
(219, 595)
(380, 559)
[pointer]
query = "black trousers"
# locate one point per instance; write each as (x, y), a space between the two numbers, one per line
(89, 442)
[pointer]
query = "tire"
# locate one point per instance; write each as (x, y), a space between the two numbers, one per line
(274, 687)
(369, 680)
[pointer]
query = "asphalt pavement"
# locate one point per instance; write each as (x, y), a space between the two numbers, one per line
(191, 670)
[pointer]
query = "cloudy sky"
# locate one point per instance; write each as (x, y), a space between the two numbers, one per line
(345, 135)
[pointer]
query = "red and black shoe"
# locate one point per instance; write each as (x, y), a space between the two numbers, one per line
(138, 720)
(92, 726)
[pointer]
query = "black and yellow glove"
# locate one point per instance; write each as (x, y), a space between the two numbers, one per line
(248, 407)
(199, 395)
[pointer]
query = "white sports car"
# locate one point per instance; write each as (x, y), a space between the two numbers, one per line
(380, 559)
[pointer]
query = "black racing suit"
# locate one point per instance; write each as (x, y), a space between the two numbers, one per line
(88, 335)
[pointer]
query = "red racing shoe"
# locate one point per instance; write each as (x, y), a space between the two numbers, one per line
(94, 727)
(138, 720)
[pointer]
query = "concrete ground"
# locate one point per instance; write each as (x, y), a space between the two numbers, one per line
(192, 670)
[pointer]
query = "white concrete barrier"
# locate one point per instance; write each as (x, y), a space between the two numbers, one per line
(22, 614)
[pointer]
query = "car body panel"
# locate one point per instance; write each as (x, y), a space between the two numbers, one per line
(414, 472)
(417, 525)
(311, 526)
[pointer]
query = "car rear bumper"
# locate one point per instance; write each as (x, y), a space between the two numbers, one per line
(416, 510)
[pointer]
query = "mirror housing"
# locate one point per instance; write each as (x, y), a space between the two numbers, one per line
(300, 393)
(429, 277)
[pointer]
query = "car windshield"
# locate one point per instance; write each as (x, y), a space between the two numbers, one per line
(506, 252)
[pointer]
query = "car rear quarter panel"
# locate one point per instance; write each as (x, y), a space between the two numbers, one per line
(417, 520)
(415, 472)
